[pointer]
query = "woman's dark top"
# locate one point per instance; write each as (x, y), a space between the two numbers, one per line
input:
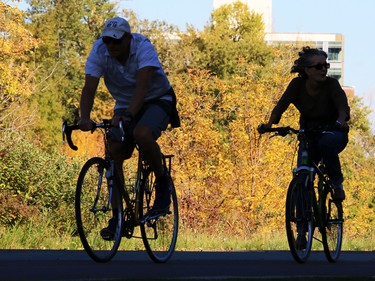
(319, 110)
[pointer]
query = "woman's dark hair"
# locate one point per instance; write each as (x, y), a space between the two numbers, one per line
(304, 60)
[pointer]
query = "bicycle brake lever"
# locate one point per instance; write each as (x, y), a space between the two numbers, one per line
(63, 132)
(120, 124)
(274, 135)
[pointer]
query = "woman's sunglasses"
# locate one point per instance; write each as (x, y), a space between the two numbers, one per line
(319, 66)
(107, 40)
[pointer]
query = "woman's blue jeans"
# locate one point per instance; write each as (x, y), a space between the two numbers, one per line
(327, 146)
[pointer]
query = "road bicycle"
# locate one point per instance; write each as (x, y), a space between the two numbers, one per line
(310, 204)
(102, 195)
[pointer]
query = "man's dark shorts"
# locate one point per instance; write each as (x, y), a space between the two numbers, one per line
(152, 115)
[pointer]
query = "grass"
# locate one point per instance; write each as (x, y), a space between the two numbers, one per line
(35, 237)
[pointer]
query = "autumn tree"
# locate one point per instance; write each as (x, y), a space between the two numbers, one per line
(227, 80)
(66, 30)
(16, 47)
(26, 186)
(234, 35)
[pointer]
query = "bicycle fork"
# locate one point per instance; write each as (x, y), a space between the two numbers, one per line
(305, 176)
(110, 179)
(94, 207)
(111, 200)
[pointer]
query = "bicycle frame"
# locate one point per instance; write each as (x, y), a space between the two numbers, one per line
(322, 188)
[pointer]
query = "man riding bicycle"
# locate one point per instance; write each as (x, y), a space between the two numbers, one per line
(145, 101)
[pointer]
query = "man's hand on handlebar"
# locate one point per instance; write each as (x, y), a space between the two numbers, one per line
(126, 123)
(125, 120)
(86, 125)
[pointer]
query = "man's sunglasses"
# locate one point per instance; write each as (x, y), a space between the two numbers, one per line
(319, 66)
(107, 40)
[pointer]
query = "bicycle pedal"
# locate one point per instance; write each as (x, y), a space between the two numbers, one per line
(107, 237)
(155, 215)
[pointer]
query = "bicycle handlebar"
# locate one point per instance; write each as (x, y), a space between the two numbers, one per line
(283, 131)
(68, 129)
(280, 131)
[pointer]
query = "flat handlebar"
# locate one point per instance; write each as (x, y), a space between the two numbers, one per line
(280, 131)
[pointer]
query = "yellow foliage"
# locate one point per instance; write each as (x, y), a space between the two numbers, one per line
(228, 177)
(16, 47)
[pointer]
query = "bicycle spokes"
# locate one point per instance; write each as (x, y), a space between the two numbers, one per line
(159, 230)
(333, 230)
(128, 223)
(101, 204)
(95, 206)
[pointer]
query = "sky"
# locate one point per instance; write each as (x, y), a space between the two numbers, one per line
(355, 19)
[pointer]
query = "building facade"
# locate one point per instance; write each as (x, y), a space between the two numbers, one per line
(331, 43)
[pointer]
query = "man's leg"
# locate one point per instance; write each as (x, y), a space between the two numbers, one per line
(153, 121)
(150, 148)
(151, 151)
(118, 151)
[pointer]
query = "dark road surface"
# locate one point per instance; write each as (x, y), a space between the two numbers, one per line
(76, 265)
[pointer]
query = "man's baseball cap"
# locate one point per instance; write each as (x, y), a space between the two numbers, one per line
(116, 28)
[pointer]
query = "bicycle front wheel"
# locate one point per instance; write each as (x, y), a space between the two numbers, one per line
(299, 219)
(159, 234)
(333, 229)
(94, 207)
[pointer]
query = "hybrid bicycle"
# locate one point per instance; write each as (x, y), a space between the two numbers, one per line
(97, 200)
(310, 205)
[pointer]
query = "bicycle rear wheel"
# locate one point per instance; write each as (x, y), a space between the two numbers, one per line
(94, 208)
(299, 219)
(160, 233)
(333, 230)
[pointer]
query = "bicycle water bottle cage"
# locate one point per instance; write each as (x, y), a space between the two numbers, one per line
(304, 158)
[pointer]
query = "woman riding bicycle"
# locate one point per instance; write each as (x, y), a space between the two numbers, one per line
(323, 104)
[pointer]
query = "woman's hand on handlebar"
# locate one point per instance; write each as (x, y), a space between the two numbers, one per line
(262, 127)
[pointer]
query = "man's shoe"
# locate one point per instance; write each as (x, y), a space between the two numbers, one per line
(163, 188)
(108, 232)
(338, 193)
(301, 242)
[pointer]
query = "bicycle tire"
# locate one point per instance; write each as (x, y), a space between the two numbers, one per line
(93, 212)
(332, 233)
(299, 219)
(159, 235)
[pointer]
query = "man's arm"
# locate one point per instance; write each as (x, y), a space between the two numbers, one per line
(144, 79)
(87, 102)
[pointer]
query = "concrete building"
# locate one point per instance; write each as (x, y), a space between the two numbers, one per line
(331, 43)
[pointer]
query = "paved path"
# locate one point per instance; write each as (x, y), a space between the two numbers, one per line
(76, 265)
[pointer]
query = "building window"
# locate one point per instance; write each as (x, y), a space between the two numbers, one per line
(334, 54)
